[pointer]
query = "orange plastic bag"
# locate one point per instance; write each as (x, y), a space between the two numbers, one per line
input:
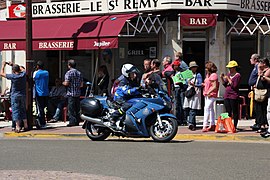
(225, 126)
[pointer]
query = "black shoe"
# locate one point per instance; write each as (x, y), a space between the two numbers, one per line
(265, 134)
(255, 127)
(37, 123)
(191, 126)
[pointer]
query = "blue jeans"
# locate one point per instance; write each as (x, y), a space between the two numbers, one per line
(191, 116)
(180, 111)
(74, 110)
(18, 106)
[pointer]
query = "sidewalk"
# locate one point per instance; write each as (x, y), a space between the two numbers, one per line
(59, 130)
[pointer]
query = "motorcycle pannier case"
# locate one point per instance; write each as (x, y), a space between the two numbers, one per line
(91, 107)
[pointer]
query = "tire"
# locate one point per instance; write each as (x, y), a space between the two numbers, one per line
(96, 133)
(166, 134)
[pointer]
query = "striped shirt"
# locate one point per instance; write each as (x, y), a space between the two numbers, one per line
(74, 77)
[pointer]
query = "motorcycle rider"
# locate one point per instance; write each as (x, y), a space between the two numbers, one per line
(128, 88)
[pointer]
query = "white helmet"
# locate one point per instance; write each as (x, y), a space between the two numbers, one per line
(128, 68)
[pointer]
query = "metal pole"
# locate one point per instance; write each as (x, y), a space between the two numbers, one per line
(29, 64)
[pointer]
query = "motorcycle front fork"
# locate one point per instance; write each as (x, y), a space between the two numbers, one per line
(159, 121)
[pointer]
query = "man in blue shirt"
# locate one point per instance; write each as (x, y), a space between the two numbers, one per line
(254, 60)
(18, 94)
(41, 79)
(74, 83)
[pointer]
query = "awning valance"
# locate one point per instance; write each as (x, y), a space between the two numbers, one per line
(77, 33)
(205, 20)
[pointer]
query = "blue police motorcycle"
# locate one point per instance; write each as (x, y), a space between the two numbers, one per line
(149, 116)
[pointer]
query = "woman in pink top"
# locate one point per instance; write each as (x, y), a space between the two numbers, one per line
(210, 91)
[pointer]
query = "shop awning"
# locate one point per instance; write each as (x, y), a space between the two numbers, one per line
(205, 20)
(198, 20)
(77, 33)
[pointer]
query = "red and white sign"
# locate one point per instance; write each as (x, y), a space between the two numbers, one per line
(17, 11)
(198, 20)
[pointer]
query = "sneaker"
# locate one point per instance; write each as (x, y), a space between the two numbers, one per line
(52, 121)
(265, 134)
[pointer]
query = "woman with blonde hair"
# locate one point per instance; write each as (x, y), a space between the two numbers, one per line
(210, 92)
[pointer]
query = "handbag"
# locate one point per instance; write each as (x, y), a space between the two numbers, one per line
(225, 125)
(191, 91)
(260, 94)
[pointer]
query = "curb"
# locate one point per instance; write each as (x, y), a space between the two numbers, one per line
(178, 137)
(221, 137)
(43, 135)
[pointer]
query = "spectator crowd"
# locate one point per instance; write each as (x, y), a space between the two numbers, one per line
(180, 80)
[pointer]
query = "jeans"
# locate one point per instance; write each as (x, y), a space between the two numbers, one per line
(42, 102)
(74, 110)
(18, 106)
(191, 116)
(209, 113)
(231, 106)
(181, 114)
(55, 107)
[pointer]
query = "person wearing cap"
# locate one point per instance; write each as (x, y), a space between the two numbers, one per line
(41, 79)
(179, 95)
(183, 64)
(193, 104)
(231, 82)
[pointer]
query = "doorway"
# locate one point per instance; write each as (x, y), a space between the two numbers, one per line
(195, 51)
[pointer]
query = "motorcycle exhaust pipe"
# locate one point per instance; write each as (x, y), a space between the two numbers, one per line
(93, 120)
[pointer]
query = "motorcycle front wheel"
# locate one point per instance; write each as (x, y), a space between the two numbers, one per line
(96, 133)
(165, 133)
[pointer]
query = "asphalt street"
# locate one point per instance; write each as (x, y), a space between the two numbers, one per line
(137, 159)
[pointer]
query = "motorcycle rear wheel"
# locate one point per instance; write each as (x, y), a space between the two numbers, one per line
(166, 133)
(96, 133)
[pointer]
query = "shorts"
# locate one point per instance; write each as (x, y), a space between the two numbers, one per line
(18, 106)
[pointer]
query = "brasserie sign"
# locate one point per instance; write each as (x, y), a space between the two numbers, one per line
(93, 7)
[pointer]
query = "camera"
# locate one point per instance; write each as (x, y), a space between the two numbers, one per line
(9, 63)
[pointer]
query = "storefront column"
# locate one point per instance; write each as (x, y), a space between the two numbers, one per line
(172, 45)
(218, 51)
